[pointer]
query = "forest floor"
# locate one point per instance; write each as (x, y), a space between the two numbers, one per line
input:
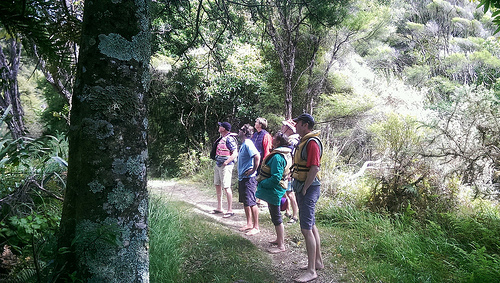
(286, 265)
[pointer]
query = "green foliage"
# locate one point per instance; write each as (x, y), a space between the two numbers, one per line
(197, 166)
(441, 89)
(185, 104)
(481, 223)
(493, 5)
(31, 184)
(188, 248)
(56, 115)
(406, 180)
(417, 75)
(486, 67)
(180, 26)
(466, 138)
(166, 238)
(374, 247)
(45, 26)
(397, 136)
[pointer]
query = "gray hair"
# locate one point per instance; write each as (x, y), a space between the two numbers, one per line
(262, 122)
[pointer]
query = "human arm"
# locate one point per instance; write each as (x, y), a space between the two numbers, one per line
(256, 160)
(311, 175)
(233, 147)
(267, 143)
(231, 158)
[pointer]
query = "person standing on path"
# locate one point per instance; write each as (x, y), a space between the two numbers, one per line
(226, 151)
(273, 183)
(248, 160)
(306, 184)
(263, 142)
(288, 128)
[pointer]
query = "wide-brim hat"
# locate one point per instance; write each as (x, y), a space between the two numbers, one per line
(291, 124)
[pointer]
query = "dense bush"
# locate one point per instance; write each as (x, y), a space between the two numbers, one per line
(406, 179)
(32, 180)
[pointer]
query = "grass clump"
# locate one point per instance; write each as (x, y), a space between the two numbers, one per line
(394, 248)
(186, 247)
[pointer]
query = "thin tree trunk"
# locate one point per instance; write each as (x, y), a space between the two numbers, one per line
(104, 222)
(10, 96)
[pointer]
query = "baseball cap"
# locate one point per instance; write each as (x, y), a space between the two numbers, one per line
(304, 117)
(226, 125)
(291, 124)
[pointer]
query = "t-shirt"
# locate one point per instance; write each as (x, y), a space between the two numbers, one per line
(245, 159)
(313, 154)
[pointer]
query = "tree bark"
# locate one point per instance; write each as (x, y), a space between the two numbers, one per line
(9, 69)
(104, 230)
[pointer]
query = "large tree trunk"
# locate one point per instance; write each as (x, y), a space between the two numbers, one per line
(104, 222)
(9, 96)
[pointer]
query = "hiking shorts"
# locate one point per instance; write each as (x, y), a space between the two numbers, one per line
(246, 191)
(223, 175)
(307, 206)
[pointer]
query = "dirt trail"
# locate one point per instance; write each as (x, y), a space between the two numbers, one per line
(285, 265)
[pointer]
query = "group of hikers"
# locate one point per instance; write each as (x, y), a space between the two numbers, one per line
(270, 170)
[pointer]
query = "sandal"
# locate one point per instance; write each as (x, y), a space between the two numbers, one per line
(252, 232)
(228, 214)
(293, 220)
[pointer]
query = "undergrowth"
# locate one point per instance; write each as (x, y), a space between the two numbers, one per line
(189, 248)
(396, 248)
(460, 245)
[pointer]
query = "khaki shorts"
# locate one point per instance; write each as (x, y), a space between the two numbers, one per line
(223, 175)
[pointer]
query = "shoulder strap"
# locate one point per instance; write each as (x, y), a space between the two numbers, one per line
(303, 153)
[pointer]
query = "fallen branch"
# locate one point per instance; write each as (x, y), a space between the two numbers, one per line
(363, 168)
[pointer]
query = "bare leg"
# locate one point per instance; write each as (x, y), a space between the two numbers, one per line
(310, 273)
(229, 194)
(255, 214)
(218, 189)
(280, 240)
(248, 215)
(293, 204)
(255, 228)
(287, 211)
(319, 259)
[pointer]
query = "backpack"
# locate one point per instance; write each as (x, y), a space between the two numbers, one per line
(214, 148)
(283, 203)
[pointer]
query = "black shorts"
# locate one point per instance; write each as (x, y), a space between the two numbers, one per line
(246, 189)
